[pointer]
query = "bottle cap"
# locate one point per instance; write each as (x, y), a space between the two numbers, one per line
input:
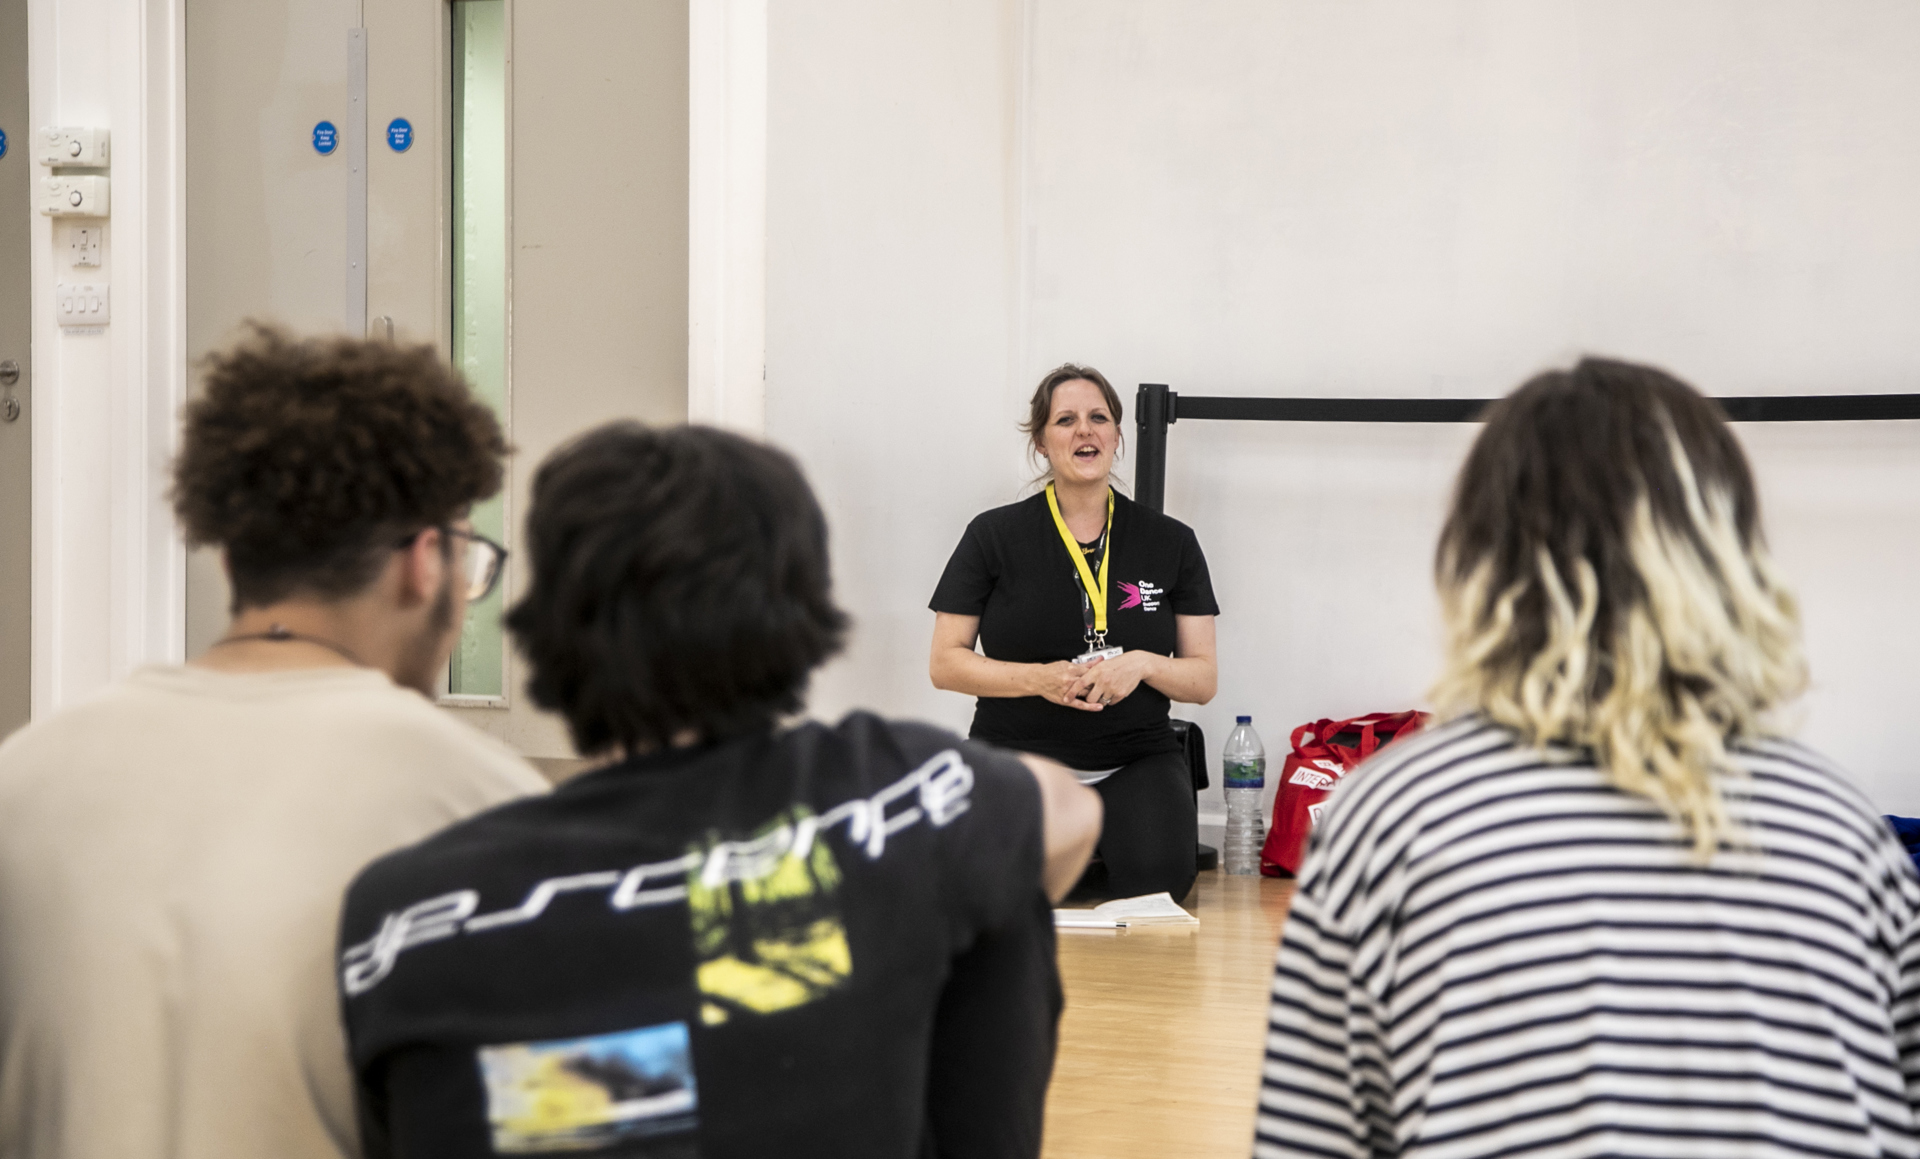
(1243, 720)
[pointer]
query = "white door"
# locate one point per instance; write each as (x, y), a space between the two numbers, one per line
(16, 466)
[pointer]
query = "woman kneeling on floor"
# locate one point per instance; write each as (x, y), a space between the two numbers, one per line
(1093, 613)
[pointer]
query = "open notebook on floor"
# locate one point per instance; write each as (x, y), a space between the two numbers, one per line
(1154, 909)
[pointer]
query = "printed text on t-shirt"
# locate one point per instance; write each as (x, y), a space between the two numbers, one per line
(940, 789)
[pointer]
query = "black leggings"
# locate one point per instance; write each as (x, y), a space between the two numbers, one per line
(1151, 833)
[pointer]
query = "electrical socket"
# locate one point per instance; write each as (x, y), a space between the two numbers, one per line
(86, 246)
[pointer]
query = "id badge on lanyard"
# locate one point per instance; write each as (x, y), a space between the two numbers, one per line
(1093, 592)
(1096, 640)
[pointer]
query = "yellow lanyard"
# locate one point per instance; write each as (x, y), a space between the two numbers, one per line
(1096, 592)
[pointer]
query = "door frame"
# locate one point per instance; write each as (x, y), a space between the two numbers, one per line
(108, 565)
(16, 343)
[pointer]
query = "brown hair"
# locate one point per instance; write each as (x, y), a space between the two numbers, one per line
(1606, 584)
(307, 459)
(1040, 409)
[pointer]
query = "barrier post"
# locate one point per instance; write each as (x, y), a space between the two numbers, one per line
(1151, 414)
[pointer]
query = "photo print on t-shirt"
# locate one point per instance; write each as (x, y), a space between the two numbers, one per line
(631, 1091)
(767, 929)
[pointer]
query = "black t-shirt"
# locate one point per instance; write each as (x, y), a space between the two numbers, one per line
(825, 941)
(1012, 570)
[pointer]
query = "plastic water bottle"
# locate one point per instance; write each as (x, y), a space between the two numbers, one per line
(1243, 770)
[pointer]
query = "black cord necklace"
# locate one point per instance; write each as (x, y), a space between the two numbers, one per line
(280, 632)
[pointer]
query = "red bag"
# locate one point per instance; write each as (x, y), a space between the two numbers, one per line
(1323, 752)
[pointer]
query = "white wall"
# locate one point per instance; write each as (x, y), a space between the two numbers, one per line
(107, 567)
(726, 286)
(891, 285)
(1340, 198)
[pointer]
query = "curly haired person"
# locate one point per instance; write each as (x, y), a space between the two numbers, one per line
(173, 851)
(1607, 909)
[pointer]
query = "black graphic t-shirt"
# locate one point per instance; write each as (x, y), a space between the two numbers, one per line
(823, 941)
(1012, 570)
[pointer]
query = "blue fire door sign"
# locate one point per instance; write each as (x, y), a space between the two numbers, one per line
(326, 138)
(399, 134)
(3, 142)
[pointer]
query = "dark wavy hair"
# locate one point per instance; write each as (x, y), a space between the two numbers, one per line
(306, 460)
(680, 585)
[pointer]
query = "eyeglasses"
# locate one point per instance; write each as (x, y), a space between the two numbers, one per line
(485, 560)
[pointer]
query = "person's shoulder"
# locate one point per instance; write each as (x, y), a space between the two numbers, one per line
(1787, 758)
(476, 835)
(1145, 518)
(1400, 780)
(1020, 513)
(892, 752)
(907, 741)
(453, 856)
(1799, 778)
(1377, 812)
(44, 744)
(910, 775)
(1802, 799)
(432, 743)
(81, 718)
(100, 723)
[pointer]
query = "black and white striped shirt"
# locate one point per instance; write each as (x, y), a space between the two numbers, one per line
(1494, 952)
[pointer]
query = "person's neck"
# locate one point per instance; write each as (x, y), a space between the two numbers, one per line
(1083, 506)
(301, 634)
(686, 738)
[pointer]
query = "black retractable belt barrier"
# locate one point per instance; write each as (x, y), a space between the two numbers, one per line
(1156, 408)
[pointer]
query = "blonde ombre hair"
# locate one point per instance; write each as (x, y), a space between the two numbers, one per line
(1605, 585)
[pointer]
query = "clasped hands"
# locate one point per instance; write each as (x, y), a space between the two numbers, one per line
(1091, 687)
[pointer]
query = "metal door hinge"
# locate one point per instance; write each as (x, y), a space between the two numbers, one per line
(9, 375)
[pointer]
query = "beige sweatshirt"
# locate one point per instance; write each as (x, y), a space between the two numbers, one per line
(172, 858)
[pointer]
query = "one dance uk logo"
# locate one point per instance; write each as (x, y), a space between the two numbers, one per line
(1142, 595)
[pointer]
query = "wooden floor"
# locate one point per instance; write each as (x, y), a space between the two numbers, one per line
(1161, 1044)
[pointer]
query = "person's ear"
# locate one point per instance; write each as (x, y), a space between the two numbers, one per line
(423, 567)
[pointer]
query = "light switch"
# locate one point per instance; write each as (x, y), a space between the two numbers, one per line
(81, 148)
(86, 245)
(74, 196)
(81, 304)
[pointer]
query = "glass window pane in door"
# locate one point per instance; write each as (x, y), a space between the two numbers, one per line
(480, 290)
